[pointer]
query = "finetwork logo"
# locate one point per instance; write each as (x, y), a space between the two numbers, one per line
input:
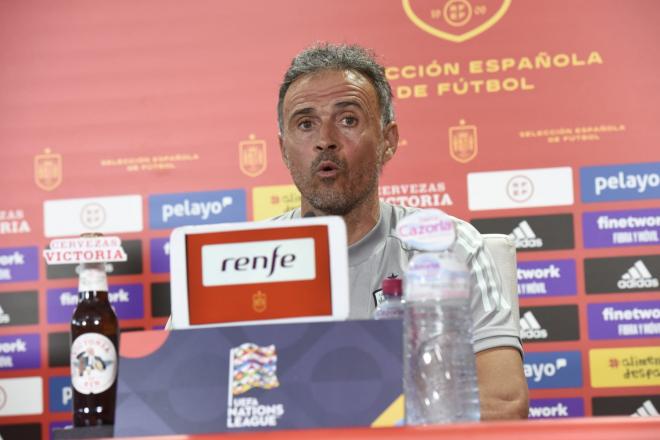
(19, 352)
(525, 237)
(638, 277)
(639, 319)
(620, 182)
(160, 255)
(621, 228)
(633, 314)
(646, 410)
(530, 327)
(19, 264)
(252, 366)
(546, 278)
(126, 299)
(199, 208)
(556, 408)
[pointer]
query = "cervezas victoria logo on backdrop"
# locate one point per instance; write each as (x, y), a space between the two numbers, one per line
(455, 20)
(252, 366)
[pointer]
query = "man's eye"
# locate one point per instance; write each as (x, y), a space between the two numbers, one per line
(349, 121)
(305, 125)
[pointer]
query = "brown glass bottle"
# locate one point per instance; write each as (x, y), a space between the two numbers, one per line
(94, 350)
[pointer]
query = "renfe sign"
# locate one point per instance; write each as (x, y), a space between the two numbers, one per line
(249, 272)
(258, 262)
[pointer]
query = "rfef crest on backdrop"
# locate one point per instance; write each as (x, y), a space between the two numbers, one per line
(455, 20)
(252, 156)
(48, 170)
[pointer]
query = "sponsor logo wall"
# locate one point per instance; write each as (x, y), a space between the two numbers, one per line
(556, 408)
(532, 138)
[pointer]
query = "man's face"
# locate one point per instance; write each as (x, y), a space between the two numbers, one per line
(332, 140)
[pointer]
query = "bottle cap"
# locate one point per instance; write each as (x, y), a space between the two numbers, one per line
(392, 286)
(427, 230)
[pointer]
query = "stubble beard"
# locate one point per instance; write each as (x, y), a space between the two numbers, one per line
(331, 197)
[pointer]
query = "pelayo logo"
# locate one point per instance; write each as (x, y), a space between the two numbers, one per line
(620, 182)
(561, 369)
(198, 208)
(428, 230)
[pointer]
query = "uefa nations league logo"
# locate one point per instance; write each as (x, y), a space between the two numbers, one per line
(252, 366)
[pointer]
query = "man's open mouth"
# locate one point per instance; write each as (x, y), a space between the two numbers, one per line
(327, 168)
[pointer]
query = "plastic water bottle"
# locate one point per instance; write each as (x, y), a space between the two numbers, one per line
(391, 304)
(440, 379)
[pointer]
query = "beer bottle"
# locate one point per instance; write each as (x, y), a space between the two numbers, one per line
(94, 350)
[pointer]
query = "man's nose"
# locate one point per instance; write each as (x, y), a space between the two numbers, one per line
(327, 139)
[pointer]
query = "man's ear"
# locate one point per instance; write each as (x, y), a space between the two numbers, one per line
(285, 158)
(391, 136)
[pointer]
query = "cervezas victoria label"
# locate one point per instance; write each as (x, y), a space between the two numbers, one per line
(93, 363)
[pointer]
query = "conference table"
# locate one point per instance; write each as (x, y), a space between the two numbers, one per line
(601, 428)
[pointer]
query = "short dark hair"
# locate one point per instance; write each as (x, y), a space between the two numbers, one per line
(331, 56)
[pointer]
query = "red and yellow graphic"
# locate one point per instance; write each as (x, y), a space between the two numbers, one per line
(252, 156)
(48, 170)
(271, 201)
(625, 367)
(463, 145)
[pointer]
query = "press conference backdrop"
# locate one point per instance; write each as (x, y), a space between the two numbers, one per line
(529, 118)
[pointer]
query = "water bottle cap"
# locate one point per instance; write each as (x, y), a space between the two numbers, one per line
(392, 286)
(427, 230)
